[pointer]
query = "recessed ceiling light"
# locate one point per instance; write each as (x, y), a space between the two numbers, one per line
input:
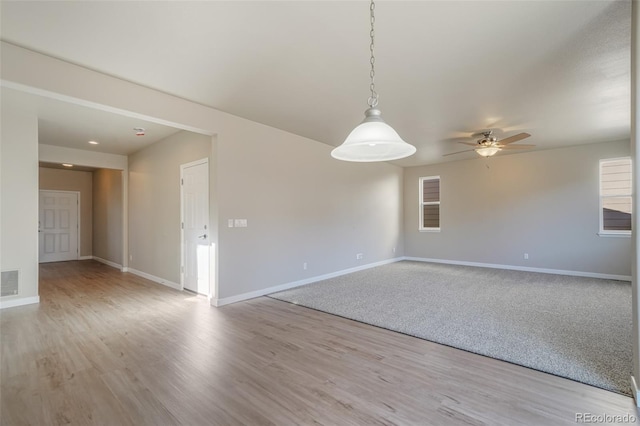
(67, 165)
(94, 142)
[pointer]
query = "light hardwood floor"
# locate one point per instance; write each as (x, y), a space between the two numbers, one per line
(110, 348)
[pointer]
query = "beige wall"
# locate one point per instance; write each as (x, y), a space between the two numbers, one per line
(302, 206)
(154, 203)
(107, 215)
(544, 203)
(19, 207)
(81, 157)
(358, 208)
(73, 180)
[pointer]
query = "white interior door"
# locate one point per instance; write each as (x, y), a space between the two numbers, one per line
(195, 222)
(58, 226)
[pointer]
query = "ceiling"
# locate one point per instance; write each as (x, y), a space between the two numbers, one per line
(73, 167)
(559, 70)
(70, 125)
(66, 124)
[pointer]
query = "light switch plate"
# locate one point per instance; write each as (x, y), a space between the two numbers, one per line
(230, 223)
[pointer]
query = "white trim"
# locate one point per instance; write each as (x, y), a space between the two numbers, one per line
(79, 224)
(257, 293)
(4, 304)
(523, 268)
(253, 294)
(124, 175)
(107, 262)
(85, 257)
(607, 234)
(634, 390)
(195, 163)
(155, 279)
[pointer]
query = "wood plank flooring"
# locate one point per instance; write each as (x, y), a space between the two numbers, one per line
(110, 348)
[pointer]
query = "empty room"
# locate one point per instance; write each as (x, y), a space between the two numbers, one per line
(310, 212)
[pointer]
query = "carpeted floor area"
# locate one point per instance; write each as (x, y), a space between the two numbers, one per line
(574, 327)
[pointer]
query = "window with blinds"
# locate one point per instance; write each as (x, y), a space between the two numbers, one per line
(430, 203)
(615, 196)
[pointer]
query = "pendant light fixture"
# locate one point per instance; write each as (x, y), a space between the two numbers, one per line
(373, 139)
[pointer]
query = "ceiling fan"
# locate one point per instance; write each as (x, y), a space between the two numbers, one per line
(489, 145)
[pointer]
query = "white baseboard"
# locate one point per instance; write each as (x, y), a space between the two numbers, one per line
(253, 294)
(154, 278)
(12, 303)
(523, 268)
(634, 390)
(108, 262)
(85, 257)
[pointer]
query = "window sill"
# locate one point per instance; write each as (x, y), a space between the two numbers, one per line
(430, 230)
(614, 235)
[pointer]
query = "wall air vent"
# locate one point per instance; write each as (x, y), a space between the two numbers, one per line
(9, 283)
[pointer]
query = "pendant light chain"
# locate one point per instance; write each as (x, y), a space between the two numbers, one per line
(373, 99)
(373, 139)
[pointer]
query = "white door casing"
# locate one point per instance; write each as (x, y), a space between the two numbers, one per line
(58, 227)
(194, 179)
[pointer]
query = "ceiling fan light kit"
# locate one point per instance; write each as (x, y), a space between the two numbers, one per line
(488, 151)
(490, 145)
(373, 139)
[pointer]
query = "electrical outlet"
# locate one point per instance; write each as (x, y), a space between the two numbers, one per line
(393, 250)
(130, 257)
(304, 266)
(359, 256)
(526, 256)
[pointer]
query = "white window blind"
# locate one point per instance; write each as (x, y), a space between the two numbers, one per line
(615, 196)
(430, 203)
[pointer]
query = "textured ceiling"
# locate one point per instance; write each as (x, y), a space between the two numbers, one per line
(445, 69)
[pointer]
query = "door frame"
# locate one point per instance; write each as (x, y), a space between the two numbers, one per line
(182, 236)
(78, 215)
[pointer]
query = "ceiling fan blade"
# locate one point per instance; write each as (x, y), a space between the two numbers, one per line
(518, 147)
(514, 138)
(469, 143)
(459, 152)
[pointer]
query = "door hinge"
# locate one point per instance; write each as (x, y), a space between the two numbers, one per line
(182, 225)
(181, 181)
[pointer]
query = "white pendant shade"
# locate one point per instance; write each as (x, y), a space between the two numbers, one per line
(373, 140)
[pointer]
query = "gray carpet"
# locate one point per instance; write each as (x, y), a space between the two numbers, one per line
(574, 327)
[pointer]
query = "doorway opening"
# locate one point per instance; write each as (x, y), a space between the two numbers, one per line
(195, 233)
